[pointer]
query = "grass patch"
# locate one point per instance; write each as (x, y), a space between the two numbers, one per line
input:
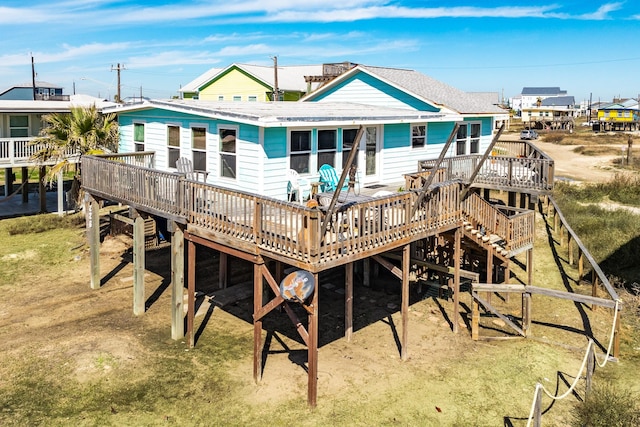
(554, 138)
(611, 236)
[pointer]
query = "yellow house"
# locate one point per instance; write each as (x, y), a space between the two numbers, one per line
(256, 83)
(619, 112)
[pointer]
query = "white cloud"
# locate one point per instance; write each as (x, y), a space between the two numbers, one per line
(100, 14)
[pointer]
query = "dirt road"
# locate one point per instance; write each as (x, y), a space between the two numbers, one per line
(573, 166)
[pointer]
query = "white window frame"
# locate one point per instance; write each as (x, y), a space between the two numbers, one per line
(333, 150)
(233, 154)
(195, 149)
(308, 153)
(414, 137)
(237, 98)
(171, 148)
(139, 145)
(21, 128)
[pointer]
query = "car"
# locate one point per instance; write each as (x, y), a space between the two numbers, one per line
(528, 134)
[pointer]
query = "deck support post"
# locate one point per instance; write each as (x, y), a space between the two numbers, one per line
(92, 210)
(348, 302)
(406, 258)
(42, 191)
(530, 267)
(366, 272)
(191, 291)
(312, 347)
(526, 314)
(138, 266)
(177, 280)
(8, 181)
(489, 270)
(457, 255)
(257, 322)
(223, 280)
(507, 275)
(475, 319)
(25, 185)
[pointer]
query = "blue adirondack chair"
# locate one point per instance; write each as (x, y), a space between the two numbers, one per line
(329, 179)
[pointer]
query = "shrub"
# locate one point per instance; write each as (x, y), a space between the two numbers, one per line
(555, 138)
(607, 406)
(41, 223)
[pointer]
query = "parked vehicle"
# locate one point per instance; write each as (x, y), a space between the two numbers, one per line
(528, 134)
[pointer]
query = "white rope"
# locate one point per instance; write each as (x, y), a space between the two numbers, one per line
(613, 331)
(584, 363)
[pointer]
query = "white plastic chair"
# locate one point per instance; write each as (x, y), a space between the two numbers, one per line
(297, 187)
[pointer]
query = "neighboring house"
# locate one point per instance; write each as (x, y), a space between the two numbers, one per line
(622, 115)
(26, 92)
(557, 112)
(20, 124)
(248, 146)
(257, 83)
(532, 96)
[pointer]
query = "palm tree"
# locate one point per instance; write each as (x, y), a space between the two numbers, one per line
(82, 131)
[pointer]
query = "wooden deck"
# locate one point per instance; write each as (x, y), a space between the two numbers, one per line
(290, 232)
(512, 166)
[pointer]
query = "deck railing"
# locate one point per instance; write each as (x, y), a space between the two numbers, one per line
(513, 164)
(15, 152)
(248, 220)
(158, 192)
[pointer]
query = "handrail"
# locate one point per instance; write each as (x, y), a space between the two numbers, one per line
(517, 229)
(596, 268)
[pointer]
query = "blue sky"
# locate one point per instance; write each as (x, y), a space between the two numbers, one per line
(500, 46)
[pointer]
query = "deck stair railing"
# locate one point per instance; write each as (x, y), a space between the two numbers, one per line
(510, 229)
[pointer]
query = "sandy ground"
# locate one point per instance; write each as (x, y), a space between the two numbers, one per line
(572, 166)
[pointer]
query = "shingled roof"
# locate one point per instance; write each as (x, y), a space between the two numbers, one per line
(427, 89)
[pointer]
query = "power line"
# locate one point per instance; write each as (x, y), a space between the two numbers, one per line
(498, 67)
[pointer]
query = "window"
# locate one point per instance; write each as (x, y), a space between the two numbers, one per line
(475, 138)
(348, 137)
(253, 98)
(461, 140)
(468, 136)
(220, 97)
(237, 98)
(418, 136)
(300, 150)
(173, 145)
(138, 137)
(370, 150)
(199, 148)
(326, 147)
(227, 152)
(18, 126)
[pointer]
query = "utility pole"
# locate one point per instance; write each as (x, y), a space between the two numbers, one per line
(118, 68)
(33, 77)
(275, 79)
